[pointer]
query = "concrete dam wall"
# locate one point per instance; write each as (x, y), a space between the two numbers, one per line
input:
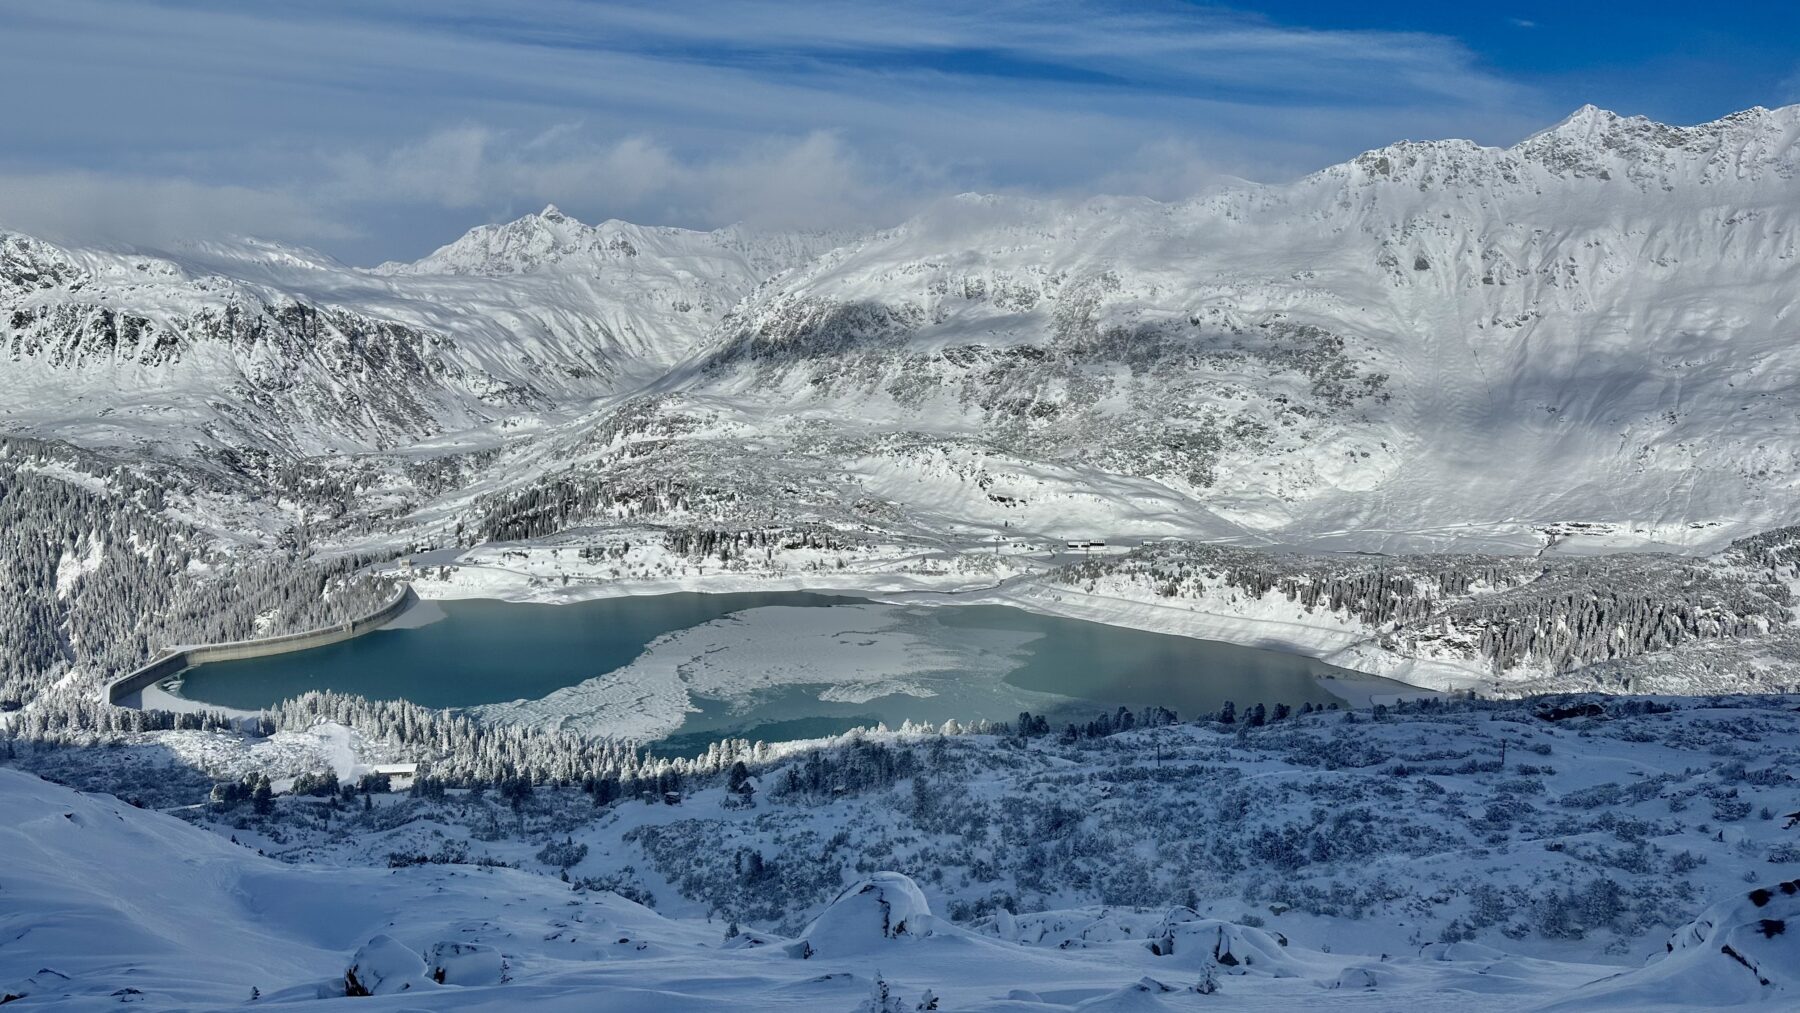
(177, 659)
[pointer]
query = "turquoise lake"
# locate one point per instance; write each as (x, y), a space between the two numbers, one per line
(954, 661)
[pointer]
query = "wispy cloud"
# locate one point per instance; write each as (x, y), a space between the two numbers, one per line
(83, 206)
(809, 181)
(1788, 91)
(312, 121)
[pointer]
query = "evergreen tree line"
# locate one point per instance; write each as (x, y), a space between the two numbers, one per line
(96, 578)
(1384, 592)
(729, 545)
(1776, 550)
(567, 500)
(1587, 610)
(459, 751)
(1570, 630)
(1558, 614)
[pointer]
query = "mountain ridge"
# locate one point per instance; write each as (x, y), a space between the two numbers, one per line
(1589, 325)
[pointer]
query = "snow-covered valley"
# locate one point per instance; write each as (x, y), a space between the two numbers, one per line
(1576, 345)
(1494, 423)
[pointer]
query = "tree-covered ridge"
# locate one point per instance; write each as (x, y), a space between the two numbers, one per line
(1554, 614)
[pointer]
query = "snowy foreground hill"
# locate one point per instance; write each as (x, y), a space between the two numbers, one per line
(1478, 856)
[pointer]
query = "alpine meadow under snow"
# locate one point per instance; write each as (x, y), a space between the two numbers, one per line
(1515, 427)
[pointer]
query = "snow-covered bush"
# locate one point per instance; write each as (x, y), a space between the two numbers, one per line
(384, 966)
(453, 963)
(1200, 943)
(868, 915)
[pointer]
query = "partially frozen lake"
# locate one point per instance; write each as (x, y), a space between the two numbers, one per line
(688, 668)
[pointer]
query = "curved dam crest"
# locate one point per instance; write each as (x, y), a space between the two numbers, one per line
(178, 659)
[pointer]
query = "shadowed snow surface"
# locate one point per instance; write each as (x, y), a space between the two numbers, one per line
(99, 897)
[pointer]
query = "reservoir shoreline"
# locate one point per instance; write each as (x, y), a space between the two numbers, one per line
(1349, 647)
(733, 666)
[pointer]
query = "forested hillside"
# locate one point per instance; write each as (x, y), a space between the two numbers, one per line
(1530, 622)
(99, 578)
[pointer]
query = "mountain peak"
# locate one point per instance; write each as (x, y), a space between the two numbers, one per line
(552, 213)
(1588, 121)
(1598, 143)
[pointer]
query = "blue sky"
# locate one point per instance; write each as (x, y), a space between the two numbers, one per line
(375, 130)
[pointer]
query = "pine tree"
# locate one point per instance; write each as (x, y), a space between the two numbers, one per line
(1209, 978)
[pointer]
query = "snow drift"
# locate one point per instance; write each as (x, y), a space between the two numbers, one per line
(1738, 952)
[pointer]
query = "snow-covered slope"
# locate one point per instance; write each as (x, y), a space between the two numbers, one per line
(1738, 952)
(1592, 325)
(110, 904)
(250, 345)
(1431, 343)
(1394, 861)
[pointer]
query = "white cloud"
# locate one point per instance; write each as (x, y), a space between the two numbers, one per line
(1788, 91)
(309, 121)
(97, 207)
(449, 167)
(809, 181)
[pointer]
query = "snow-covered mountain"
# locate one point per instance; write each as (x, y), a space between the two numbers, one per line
(1592, 325)
(251, 345)
(1433, 343)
